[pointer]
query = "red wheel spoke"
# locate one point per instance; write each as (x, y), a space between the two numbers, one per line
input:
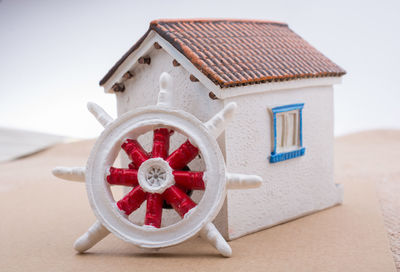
(154, 210)
(189, 180)
(161, 142)
(125, 177)
(135, 152)
(132, 201)
(183, 155)
(178, 200)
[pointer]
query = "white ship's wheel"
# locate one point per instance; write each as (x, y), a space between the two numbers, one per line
(157, 176)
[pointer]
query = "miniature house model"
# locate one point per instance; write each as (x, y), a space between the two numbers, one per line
(283, 125)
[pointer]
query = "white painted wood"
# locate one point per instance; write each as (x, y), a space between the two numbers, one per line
(241, 181)
(165, 95)
(70, 173)
(99, 113)
(105, 151)
(95, 234)
(198, 219)
(212, 235)
(287, 131)
(218, 122)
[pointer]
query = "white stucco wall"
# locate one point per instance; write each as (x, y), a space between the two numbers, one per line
(143, 88)
(292, 187)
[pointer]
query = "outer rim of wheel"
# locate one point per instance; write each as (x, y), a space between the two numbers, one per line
(105, 151)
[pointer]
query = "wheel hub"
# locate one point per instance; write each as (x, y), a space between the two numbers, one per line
(155, 176)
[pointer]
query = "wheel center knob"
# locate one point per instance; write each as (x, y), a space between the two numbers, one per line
(155, 176)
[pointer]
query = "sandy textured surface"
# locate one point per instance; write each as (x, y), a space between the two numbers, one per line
(374, 157)
(42, 216)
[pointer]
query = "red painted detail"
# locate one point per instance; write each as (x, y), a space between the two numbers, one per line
(154, 210)
(183, 155)
(132, 201)
(135, 152)
(189, 180)
(161, 142)
(178, 200)
(125, 177)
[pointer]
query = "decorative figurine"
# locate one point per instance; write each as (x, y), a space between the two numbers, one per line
(178, 155)
(157, 176)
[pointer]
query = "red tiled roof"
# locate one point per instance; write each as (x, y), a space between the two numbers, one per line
(240, 52)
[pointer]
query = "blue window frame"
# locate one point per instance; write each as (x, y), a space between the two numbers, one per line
(288, 134)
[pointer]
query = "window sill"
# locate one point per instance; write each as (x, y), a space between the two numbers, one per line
(287, 155)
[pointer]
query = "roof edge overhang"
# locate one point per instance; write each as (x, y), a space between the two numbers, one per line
(130, 60)
(145, 45)
(115, 67)
(278, 85)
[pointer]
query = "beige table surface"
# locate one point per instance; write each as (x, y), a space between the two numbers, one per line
(41, 217)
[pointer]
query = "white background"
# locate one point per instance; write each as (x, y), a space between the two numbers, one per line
(53, 53)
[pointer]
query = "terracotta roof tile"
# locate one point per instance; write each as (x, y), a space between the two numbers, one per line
(240, 52)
